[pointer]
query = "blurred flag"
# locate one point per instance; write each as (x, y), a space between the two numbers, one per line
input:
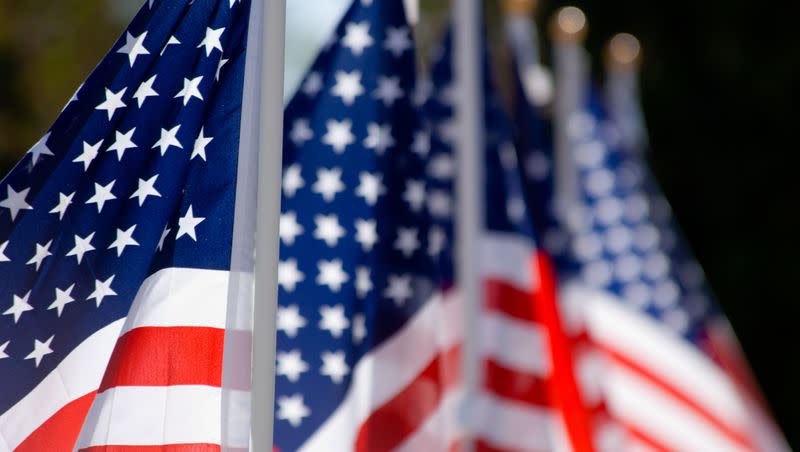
(670, 373)
(116, 238)
(367, 349)
(528, 398)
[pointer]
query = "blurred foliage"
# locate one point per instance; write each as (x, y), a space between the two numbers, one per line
(720, 89)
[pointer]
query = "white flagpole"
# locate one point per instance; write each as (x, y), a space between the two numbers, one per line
(267, 221)
(468, 76)
(568, 30)
(623, 60)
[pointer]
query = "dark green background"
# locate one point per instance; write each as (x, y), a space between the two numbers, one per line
(720, 87)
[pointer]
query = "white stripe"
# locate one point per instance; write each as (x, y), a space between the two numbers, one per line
(662, 352)
(79, 374)
(148, 416)
(510, 425)
(519, 345)
(637, 402)
(441, 430)
(181, 297)
(381, 374)
(508, 257)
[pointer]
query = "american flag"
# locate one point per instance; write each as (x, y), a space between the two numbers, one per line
(529, 399)
(672, 376)
(364, 352)
(116, 231)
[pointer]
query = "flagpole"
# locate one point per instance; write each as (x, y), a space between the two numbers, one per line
(623, 61)
(568, 30)
(267, 221)
(470, 212)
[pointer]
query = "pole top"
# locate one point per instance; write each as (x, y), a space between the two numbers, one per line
(569, 25)
(624, 50)
(520, 7)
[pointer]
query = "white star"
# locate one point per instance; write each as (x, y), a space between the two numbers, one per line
(289, 228)
(334, 366)
(3, 257)
(15, 202)
(359, 328)
(422, 143)
(339, 135)
(328, 229)
(42, 253)
(313, 84)
(292, 180)
(172, 41)
(3, 354)
(164, 235)
(222, 62)
(333, 320)
(233, 2)
(289, 275)
(145, 90)
(448, 131)
(113, 102)
(146, 188)
(437, 240)
(363, 282)
(442, 167)
(379, 137)
(301, 132)
(39, 149)
(64, 202)
(331, 274)
(90, 152)
(291, 365)
(63, 298)
(82, 246)
(187, 225)
(407, 241)
(292, 409)
(422, 92)
(415, 195)
(74, 97)
(134, 46)
(102, 194)
(200, 145)
(102, 289)
(19, 307)
(370, 187)
(123, 142)
(366, 234)
(388, 90)
(397, 40)
(212, 40)
(440, 205)
(399, 289)
(124, 239)
(40, 350)
(357, 37)
(191, 88)
(348, 86)
(168, 138)
(289, 320)
(329, 183)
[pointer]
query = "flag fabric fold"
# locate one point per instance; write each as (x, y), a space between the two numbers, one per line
(115, 244)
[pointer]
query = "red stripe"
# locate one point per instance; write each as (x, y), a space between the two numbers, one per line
(388, 426)
(483, 446)
(161, 448)
(515, 385)
(60, 432)
(509, 300)
(643, 438)
(667, 388)
(161, 356)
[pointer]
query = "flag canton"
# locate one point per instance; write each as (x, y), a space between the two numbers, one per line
(624, 235)
(137, 174)
(354, 264)
(504, 198)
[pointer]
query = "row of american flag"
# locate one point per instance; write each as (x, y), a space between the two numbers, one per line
(123, 261)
